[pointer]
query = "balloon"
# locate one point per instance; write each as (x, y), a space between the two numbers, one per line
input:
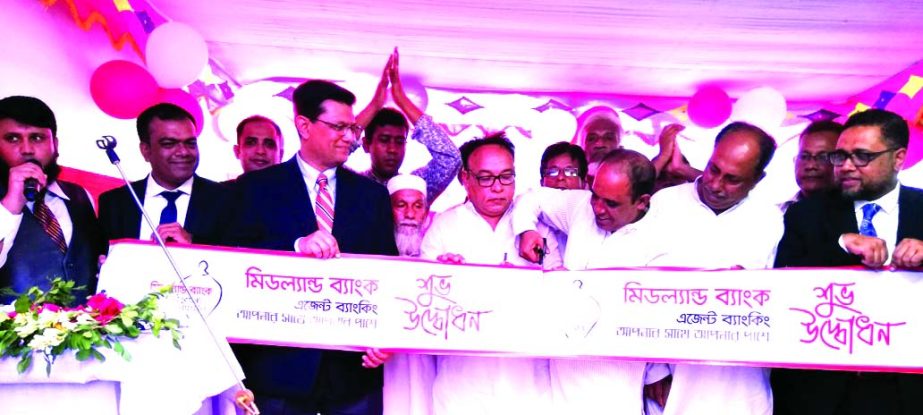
(553, 125)
(763, 107)
(122, 89)
(709, 107)
(416, 92)
(175, 54)
(185, 101)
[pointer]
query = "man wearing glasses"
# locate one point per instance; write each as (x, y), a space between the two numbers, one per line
(872, 221)
(813, 171)
(480, 231)
(564, 166)
(312, 205)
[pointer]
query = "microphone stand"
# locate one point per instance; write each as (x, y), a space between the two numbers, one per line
(244, 397)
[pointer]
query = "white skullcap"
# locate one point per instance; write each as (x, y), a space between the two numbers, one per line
(406, 181)
(610, 116)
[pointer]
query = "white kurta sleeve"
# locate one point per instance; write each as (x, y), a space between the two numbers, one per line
(9, 227)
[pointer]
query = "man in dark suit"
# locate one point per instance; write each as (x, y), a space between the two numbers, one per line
(188, 208)
(55, 234)
(871, 221)
(313, 205)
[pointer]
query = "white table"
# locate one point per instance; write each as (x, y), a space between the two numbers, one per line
(159, 379)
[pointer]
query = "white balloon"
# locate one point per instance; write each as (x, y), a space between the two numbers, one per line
(763, 107)
(175, 54)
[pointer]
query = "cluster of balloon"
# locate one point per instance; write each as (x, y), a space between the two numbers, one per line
(175, 55)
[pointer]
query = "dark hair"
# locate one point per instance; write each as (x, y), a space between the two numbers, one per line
(255, 118)
(497, 139)
(563, 147)
(636, 166)
(894, 130)
(164, 112)
(766, 143)
(309, 96)
(385, 116)
(823, 126)
(28, 111)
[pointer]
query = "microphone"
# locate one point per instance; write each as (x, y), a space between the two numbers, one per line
(30, 186)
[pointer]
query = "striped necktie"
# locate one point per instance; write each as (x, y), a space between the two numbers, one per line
(323, 209)
(866, 228)
(49, 224)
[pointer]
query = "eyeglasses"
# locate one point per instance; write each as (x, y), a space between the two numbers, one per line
(555, 172)
(505, 179)
(822, 157)
(859, 158)
(353, 128)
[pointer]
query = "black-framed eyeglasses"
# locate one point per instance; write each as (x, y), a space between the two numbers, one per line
(505, 179)
(356, 129)
(859, 158)
(822, 157)
(555, 172)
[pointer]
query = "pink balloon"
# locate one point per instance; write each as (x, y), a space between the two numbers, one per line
(175, 54)
(122, 89)
(185, 101)
(709, 107)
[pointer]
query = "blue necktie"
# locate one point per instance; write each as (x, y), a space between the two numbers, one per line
(168, 214)
(868, 212)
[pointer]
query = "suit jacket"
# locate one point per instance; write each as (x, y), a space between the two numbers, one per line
(812, 230)
(273, 210)
(206, 219)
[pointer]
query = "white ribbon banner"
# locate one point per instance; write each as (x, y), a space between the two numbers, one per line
(840, 319)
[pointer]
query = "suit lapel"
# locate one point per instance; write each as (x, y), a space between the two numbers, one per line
(346, 198)
(909, 224)
(197, 204)
(294, 194)
(844, 217)
(133, 214)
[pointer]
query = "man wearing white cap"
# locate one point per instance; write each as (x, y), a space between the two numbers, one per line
(411, 212)
(600, 133)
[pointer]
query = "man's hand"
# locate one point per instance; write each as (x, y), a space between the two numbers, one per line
(320, 244)
(14, 201)
(450, 258)
(374, 358)
(659, 391)
(381, 92)
(397, 91)
(873, 251)
(174, 232)
(529, 244)
(908, 253)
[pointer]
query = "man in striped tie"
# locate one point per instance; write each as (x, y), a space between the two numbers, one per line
(48, 227)
(311, 204)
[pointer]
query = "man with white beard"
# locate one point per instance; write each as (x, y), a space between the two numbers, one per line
(411, 212)
(408, 377)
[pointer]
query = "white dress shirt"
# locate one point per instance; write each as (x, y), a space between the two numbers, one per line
(885, 221)
(483, 385)
(690, 234)
(55, 200)
(154, 203)
(588, 386)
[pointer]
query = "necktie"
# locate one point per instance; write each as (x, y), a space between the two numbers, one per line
(323, 209)
(168, 214)
(49, 224)
(868, 212)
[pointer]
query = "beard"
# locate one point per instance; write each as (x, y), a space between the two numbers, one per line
(408, 238)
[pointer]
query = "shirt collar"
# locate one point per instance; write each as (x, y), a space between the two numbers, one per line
(154, 189)
(55, 189)
(887, 202)
(310, 174)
